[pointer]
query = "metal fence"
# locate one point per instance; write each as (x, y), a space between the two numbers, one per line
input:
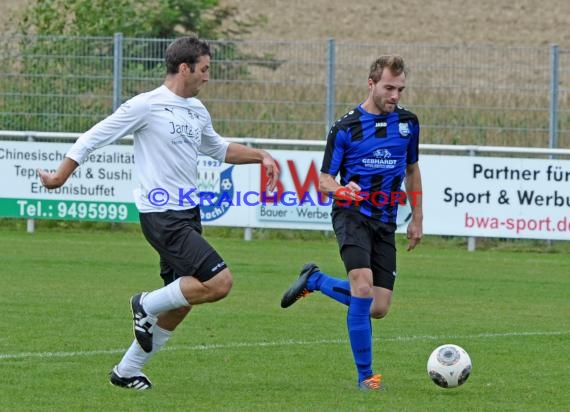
(463, 94)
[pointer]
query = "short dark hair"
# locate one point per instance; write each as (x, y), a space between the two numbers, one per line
(185, 50)
(394, 63)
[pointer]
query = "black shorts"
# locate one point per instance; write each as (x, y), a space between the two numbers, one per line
(177, 237)
(366, 243)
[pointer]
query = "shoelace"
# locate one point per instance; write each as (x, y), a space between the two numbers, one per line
(373, 382)
(304, 293)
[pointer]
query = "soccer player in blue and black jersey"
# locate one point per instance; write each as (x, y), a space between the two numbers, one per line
(373, 148)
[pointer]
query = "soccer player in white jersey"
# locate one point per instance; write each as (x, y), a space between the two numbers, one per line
(170, 126)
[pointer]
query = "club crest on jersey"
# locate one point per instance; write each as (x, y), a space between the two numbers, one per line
(216, 190)
(380, 160)
(382, 154)
(404, 129)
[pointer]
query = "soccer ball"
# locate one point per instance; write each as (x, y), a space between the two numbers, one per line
(449, 366)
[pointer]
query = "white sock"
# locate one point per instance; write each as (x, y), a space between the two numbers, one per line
(135, 358)
(163, 299)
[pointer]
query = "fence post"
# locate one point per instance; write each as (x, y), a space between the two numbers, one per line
(30, 223)
(553, 118)
(553, 125)
(247, 231)
(471, 240)
(330, 112)
(117, 69)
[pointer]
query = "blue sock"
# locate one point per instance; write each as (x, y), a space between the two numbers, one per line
(360, 335)
(338, 289)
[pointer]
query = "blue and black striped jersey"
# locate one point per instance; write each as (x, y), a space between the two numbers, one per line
(373, 151)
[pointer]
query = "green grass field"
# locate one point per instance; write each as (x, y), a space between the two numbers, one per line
(66, 321)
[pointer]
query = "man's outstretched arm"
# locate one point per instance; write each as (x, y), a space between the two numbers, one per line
(241, 154)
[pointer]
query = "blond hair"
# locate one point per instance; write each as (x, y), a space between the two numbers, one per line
(394, 63)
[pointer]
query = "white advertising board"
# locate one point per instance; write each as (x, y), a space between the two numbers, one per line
(496, 197)
(462, 195)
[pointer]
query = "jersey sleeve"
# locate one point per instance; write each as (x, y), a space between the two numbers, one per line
(334, 151)
(212, 144)
(128, 118)
(414, 143)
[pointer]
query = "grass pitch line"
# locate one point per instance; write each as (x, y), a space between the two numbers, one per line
(237, 345)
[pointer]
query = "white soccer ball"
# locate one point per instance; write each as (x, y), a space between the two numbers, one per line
(449, 366)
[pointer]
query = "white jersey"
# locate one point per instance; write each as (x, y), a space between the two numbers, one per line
(168, 131)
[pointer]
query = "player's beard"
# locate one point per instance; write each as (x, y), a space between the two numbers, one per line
(195, 87)
(385, 106)
(195, 91)
(389, 107)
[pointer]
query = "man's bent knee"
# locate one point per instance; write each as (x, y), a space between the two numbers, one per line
(360, 282)
(220, 285)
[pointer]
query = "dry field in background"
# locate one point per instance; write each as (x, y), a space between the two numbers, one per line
(520, 22)
(481, 116)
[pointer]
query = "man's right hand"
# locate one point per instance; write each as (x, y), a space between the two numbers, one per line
(53, 180)
(50, 180)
